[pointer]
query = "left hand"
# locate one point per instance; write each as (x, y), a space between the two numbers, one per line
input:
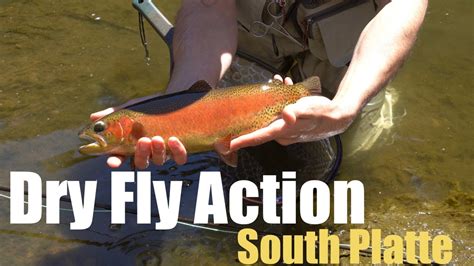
(153, 149)
(309, 119)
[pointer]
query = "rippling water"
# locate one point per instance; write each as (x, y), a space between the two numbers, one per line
(62, 60)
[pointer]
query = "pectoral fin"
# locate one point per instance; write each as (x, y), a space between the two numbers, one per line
(230, 159)
(222, 148)
(138, 131)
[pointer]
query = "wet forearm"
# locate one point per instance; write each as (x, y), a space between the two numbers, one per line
(204, 42)
(380, 51)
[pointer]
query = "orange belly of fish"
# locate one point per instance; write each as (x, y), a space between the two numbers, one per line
(206, 121)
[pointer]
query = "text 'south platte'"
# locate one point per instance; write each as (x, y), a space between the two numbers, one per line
(311, 204)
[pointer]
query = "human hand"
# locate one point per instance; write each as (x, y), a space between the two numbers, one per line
(309, 119)
(147, 148)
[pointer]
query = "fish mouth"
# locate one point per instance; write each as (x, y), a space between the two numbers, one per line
(98, 143)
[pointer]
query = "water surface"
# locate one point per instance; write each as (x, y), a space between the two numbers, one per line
(62, 60)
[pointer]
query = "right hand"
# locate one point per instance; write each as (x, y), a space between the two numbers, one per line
(147, 149)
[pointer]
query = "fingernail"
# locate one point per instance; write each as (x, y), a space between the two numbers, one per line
(142, 146)
(156, 146)
(171, 142)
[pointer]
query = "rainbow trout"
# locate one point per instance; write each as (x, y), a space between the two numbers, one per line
(203, 119)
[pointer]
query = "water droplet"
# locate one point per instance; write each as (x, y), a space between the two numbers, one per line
(115, 227)
(187, 182)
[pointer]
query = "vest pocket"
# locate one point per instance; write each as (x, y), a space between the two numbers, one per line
(333, 28)
(315, 42)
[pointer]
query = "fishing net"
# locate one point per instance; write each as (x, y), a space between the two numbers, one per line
(313, 160)
(242, 72)
(375, 121)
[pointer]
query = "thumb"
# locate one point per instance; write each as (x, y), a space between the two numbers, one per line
(289, 114)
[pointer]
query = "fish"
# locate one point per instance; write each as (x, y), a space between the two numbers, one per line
(202, 118)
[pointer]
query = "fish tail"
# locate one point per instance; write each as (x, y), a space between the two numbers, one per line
(312, 84)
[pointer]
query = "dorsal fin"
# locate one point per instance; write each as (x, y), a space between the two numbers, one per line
(312, 84)
(200, 86)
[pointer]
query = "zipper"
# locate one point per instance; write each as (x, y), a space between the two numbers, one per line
(327, 9)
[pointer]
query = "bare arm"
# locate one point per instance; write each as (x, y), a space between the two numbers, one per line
(382, 47)
(204, 42)
(203, 45)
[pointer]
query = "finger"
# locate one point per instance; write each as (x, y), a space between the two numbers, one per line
(278, 77)
(288, 81)
(115, 161)
(303, 108)
(177, 150)
(259, 136)
(289, 114)
(158, 150)
(296, 121)
(142, 153)
(97, 115)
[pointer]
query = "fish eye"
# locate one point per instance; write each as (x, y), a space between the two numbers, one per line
(99, 126)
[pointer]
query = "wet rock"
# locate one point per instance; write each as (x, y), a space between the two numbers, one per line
(147, 259)
(107, 100)
(416, 181)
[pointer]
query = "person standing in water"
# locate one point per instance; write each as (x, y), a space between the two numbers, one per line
(354, 46)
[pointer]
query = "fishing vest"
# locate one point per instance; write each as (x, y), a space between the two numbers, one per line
(326, 32)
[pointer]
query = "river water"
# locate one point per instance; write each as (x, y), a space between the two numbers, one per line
(62, 60)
